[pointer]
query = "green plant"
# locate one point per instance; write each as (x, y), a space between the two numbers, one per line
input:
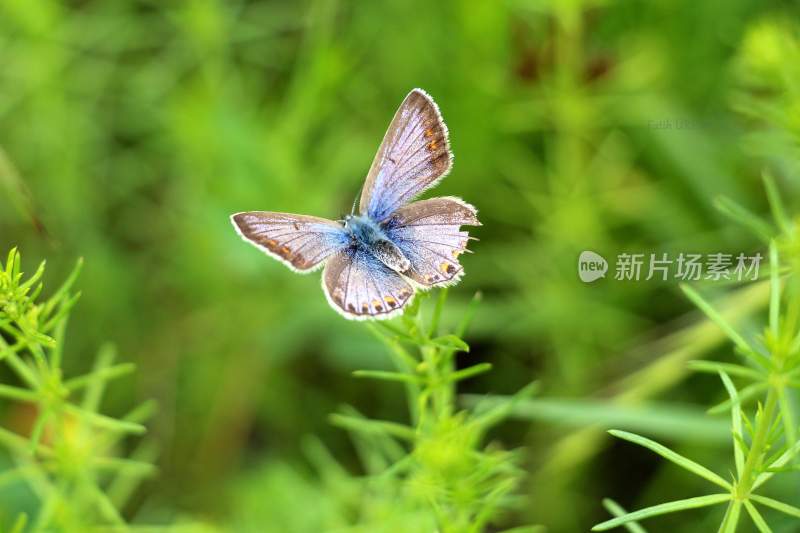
(72, 458)
(434, 468)
(765, 441)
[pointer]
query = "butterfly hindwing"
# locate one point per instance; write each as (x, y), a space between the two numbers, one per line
(429, 234)
(414, 156)
(300, 242)
(359, 286)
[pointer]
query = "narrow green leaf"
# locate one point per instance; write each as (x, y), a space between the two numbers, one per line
(774, 291)
(381, 427)
(758, 520)
(736, 422)
(38, 429)
(791, 510)
(713, 367)
(102, 374)
(466, 320)
(775, 203)
(489, 414)
(96, 386)
(787, 415)
(450, 342)
(747, 393)
(743, 216)
(63, 290)
(437, 312)
(105, 422)
(671, 421)
(617, 510)
(712, 313)
(20, 523)
(731, 520)
(16, 393)
(670, 455)
(126, 465)
(469, 372)
(386, 376)
(664, 508)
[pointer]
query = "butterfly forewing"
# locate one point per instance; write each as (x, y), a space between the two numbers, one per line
(300, 242)
(359, 286)
(414, 156)
(429, 235)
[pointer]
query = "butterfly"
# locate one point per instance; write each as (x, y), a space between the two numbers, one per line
(375, 259)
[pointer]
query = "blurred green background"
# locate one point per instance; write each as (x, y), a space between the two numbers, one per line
(131, 130)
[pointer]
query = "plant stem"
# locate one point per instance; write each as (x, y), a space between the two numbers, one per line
(753, 461)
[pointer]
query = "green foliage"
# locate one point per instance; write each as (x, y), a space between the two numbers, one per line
(131, 129)
(436, 466)
(766, 442)
(72, 457)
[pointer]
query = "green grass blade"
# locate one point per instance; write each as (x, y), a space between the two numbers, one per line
(774, 291)
(713, 367)
(380, 427)
(670, 455)
(660, 420)
(791, 510)
(736, 422)
(743, 216)
(712, 313)
(469, 372)
(758, 520)
(775, 203)
(617, 510)
(751, 391)
(731, 520)
(664, 508)
(387, 376)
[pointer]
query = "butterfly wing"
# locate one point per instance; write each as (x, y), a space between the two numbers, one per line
(414, 156)
(300, 242)
(360, 287)
(429, 234)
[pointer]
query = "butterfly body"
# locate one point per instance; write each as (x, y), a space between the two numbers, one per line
(368, 235)
(376, 259)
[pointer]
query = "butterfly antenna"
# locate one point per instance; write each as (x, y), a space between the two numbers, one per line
(355, 201)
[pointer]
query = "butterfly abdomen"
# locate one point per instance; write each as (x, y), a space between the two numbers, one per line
(370, 237)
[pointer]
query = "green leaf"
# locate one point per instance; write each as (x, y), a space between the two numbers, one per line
(731, 520)
(787, 415)
(101, 374)
(671, 421)
(664, 508)
(736, 422)
(617, 510)
(713, 367)
(381, 427)
(745, 394)
(712, 313)
(774, 291)
(16, 393)
(105, 422)
(387, 376)
(20, 523)
(469, 372)
(450, 342)
(791, 510)
(758, 520)
(670, 455)
(775, 203)
(743, 216)
(466, 320)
